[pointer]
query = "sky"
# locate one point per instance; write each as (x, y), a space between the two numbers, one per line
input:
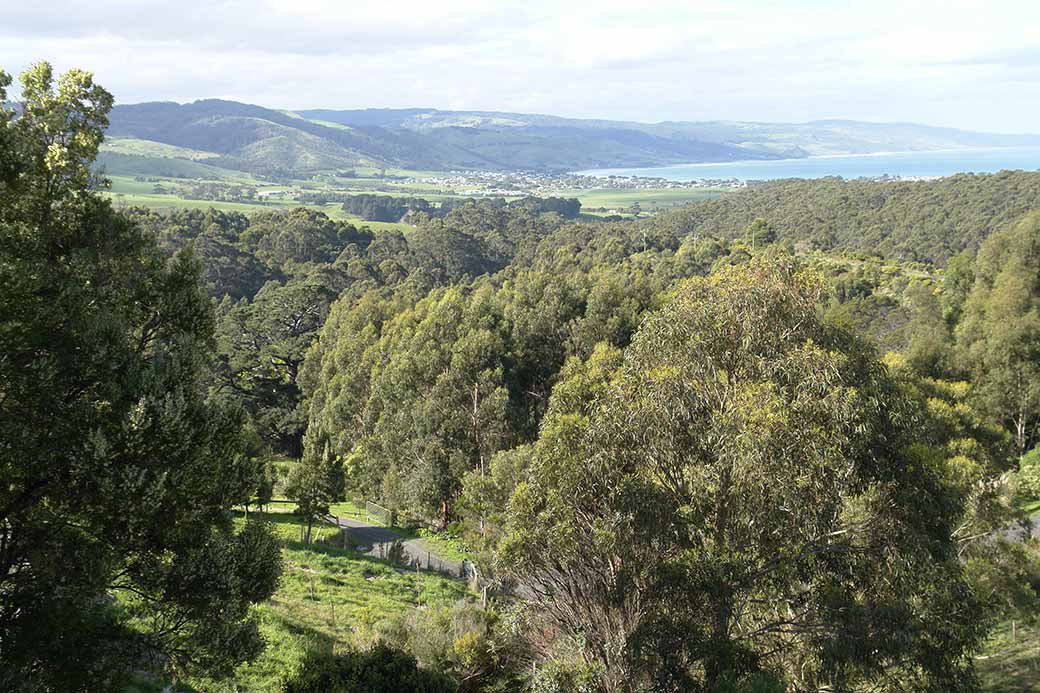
(973, 64)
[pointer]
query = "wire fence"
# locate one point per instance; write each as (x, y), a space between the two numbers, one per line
(384, 515)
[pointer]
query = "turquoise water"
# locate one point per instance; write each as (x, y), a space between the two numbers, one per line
(903, 164)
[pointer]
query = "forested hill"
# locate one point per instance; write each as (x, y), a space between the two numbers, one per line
(928, 221)
(816, 138)
(246, 137)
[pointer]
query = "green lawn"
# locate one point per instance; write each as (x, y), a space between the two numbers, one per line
(329, 594)
(1010, 662)
(356, 511)
(158, 202)
(127, 192)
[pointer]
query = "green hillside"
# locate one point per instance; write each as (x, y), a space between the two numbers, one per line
(252, 138)
(263, 140)
(928, 221)
(118, 164)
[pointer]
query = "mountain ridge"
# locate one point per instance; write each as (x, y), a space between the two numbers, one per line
(254, 138)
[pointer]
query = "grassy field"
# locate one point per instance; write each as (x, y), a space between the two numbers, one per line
(175, 169)
(138, 147)
(125, 191)
(130, 193)
(328, 594)
(137, 194)
(169, 202)
(115, 163)
(1010, 661)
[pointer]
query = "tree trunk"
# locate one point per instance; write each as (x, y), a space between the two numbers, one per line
(1020, 433)
(294, 444)
(719, 661)
(445, 514)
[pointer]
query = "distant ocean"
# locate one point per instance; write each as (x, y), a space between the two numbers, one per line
(902, 164)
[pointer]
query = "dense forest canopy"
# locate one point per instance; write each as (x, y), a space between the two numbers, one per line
(925, 221)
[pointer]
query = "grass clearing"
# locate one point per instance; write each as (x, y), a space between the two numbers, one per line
(125, 191)
(139, 147)
(1010, 661)
(327, 595)
(353, 510)
(169, 202)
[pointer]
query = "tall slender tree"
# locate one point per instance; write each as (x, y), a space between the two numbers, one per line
(999, 335)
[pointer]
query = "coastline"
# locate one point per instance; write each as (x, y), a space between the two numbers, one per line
(969, 153)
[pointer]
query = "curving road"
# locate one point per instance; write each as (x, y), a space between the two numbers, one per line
(1024, 530)
(374, 540)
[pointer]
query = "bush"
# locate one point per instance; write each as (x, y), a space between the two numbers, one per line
(379, 670)
(759, 682)
(1029, 475)
(565, 677)
(395, 554)
(464, 641)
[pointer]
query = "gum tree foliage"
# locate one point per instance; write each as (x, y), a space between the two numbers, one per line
(929, 221)
(117, 550)
(976, 456)
(999, 334)
(743, 498)
(412, 392)
(429, 404)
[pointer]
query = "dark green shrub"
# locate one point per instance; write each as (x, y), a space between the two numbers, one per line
(379, 670)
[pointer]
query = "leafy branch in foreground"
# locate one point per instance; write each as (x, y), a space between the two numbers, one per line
(117, 551)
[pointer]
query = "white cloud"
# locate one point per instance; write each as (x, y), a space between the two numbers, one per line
(958, 62)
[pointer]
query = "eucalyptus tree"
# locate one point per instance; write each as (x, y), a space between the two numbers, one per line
(745, 497)
(999, 333)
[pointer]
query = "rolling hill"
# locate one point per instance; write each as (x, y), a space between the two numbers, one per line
(243, 137)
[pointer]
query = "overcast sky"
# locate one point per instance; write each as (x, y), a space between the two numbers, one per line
(966, 63)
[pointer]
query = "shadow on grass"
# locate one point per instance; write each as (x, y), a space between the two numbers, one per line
(287, 528)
